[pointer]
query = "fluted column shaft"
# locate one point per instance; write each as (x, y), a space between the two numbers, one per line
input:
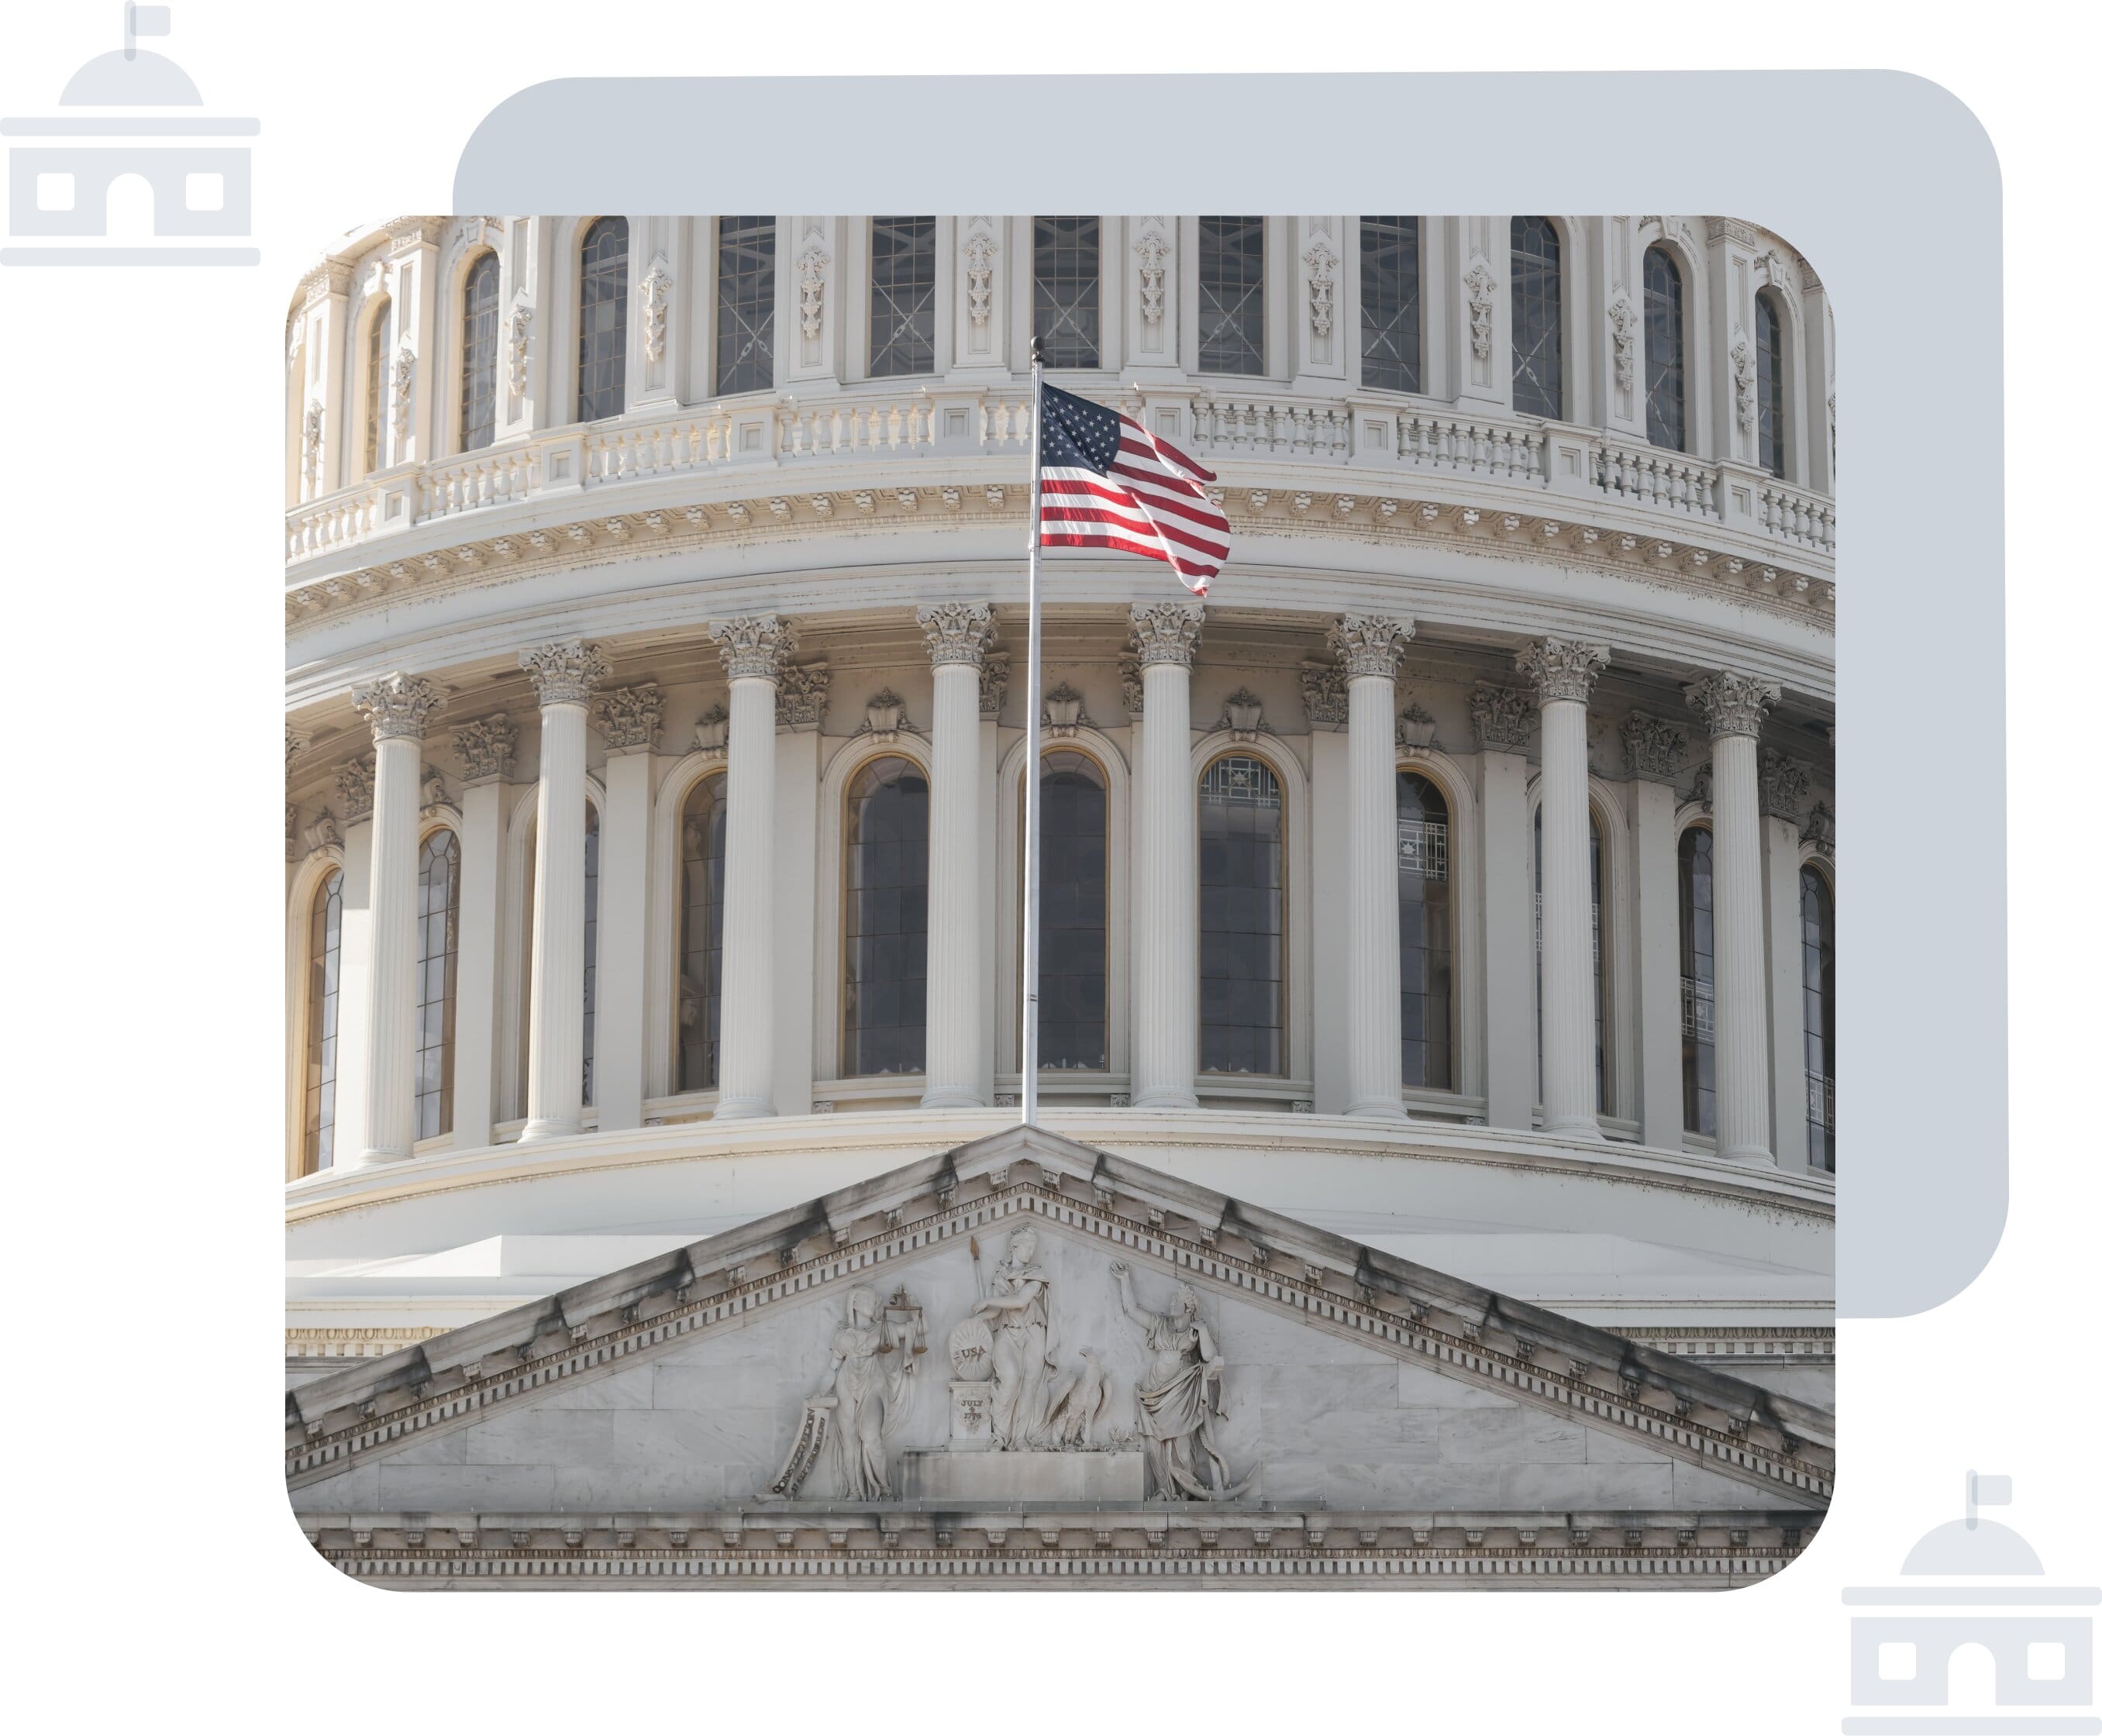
(397, 708)
(565, 673)
(1562, 673)
(957, 633)
(1164, 1026)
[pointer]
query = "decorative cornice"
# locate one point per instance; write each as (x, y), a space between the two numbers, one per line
(565, 671)
(1561, 668)
(1732, 704)
(1503, 717)
(631, 718)
(1784, 786)
(353, 788)
(1732, 228)
(1370, 644)
(753, 646)
(485, 748)
(326, 277)
(957, 632)
(404, 233)
(1325, 690)
(1166, 633)
(397, 707)
(1655, 749)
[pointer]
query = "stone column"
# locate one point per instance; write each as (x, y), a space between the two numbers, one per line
(485, 750)
(1734, 706)
(628, 720)
(1503, 725)
(957, 635)
(753, 648)
(1369, 647)
(1164, 1014)
(397, 707)
(565, 673)
(1563, 672)
(1654, 750)
(1783, 784)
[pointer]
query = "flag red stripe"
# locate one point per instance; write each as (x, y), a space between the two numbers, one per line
(1140, 525)
(1151, 551)
(1199, 512)
(1167, 451)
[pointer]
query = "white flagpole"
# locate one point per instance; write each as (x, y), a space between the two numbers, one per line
(1032, 774)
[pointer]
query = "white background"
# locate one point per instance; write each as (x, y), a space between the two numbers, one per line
(151, 1549)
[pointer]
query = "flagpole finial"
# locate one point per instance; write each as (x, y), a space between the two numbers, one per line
(1035, 352)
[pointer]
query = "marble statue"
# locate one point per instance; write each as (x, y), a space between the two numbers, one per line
(1179, 1396)
(1017, 1305)
(862, 1400)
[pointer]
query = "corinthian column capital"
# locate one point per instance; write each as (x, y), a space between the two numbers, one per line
(1166, 633)
(1731, 704)
(564, 671)
(397, 705)
(753, 646)
(1370, 644)
(957, 632)
(1561, 668)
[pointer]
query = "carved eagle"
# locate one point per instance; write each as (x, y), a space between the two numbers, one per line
(1077, 1403)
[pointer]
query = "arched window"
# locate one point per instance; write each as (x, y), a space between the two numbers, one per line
(885, 922)
(702, 824)
(602, 322)
(1230, 317)
(744, 307)
(1240, 881)
(1696, 976)
(1773, 451)
(437, 977)
(1074, 897)
(478, 355)
(376, 337)
(1819, 1025)
(1536, 316)
(591, 944)
(1423, 841)
(1069, 290)
(1601, 984)
(901, 296)
(1389, 303)
(324, 982)
(1663, 350)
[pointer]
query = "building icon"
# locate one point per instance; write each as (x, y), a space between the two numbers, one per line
(122, 115)
(1972, 1582)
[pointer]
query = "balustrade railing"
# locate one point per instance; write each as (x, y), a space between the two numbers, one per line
(1222, 425)
(1656, 477)
(1798, 518)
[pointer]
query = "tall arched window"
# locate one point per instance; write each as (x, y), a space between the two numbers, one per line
(901, 296)
(886, 920)
(1536, 316)
(1663, 350)
(1069, 290)
(744, 306)
(438, 975)
(376, 338)
(1696, 976)
(1229, 315)
(324, 982)
(1601, 984)
(703, 827)
(1819, 1025)
(478, 355)
(1773, 451)
(1389, 303)
(602, 321)
(591, 943)
(1074, 897)
(1423, 842)
(1240, 882)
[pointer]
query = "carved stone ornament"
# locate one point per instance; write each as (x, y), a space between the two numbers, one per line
(1166, 633)
(1503, 718)
(485, 748)
(397, 705)
(711, 733)
(1370, 644)
(323, 834)
(1784, 786)
(631, 718)
(1319, 260)
(656, 305)
(1818, 831)
(521, 345)
(801, 696)
(957, 632)
(565, 671)
(992, 683)
(979, 249)
(1702, 795)
(1134, 687)
(1152, 248)
(1743, 381)
(295, 744)
(1326, 692)
(1415, 730)
(432, 794)
(353, 789)
(1180, 1395)
(1243, 716)
(883, 718)
(1625, 321)
(753, 646)
(1655, 749)
(1481, 307)
(1732, 704)
(865, 1393)
(310, 444)
(1561, 668)
(1065, 712)
(811, 264)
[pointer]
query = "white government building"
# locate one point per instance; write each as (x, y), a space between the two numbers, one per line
(1437, 920)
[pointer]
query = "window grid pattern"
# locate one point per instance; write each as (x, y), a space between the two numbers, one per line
(1820, 1024)
(324, 984)
(1601, 1021)
(1663, 350)
(1426, 932)
(744, 305)
(591, 940)
(1230, 302)
(1696, 975)
(901, 296)
(704, 828)
(437, 979)
(1389, 303)
(602, 322)
(1536, 317)
(1240, 878)
(885, 922)
(478, 355)
(1069, 290)
(1073, 896)
(1773, 449)
(375, 384)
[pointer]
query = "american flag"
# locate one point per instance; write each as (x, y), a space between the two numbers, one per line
(1109, 484)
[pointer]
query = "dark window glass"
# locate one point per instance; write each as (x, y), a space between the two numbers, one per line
(1599, 1020)
(1820, 1024)
(1696, 976)
(324, 980)
(1389, 303)
(901, 296)
(701, 833)
(1663, 350)
(1536, 316)
(886, 920)
(375, 384)
(1069, 290)
(591, 940)
(602, 322)
(1073, 897)
(1773, 450)
(437, 977)
(1423, 843)
(744, 305)
(1230, 295)
(478, 355)
(1240, 882)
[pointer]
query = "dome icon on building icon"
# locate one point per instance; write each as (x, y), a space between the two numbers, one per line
(1973, 1582)
(128, 112)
